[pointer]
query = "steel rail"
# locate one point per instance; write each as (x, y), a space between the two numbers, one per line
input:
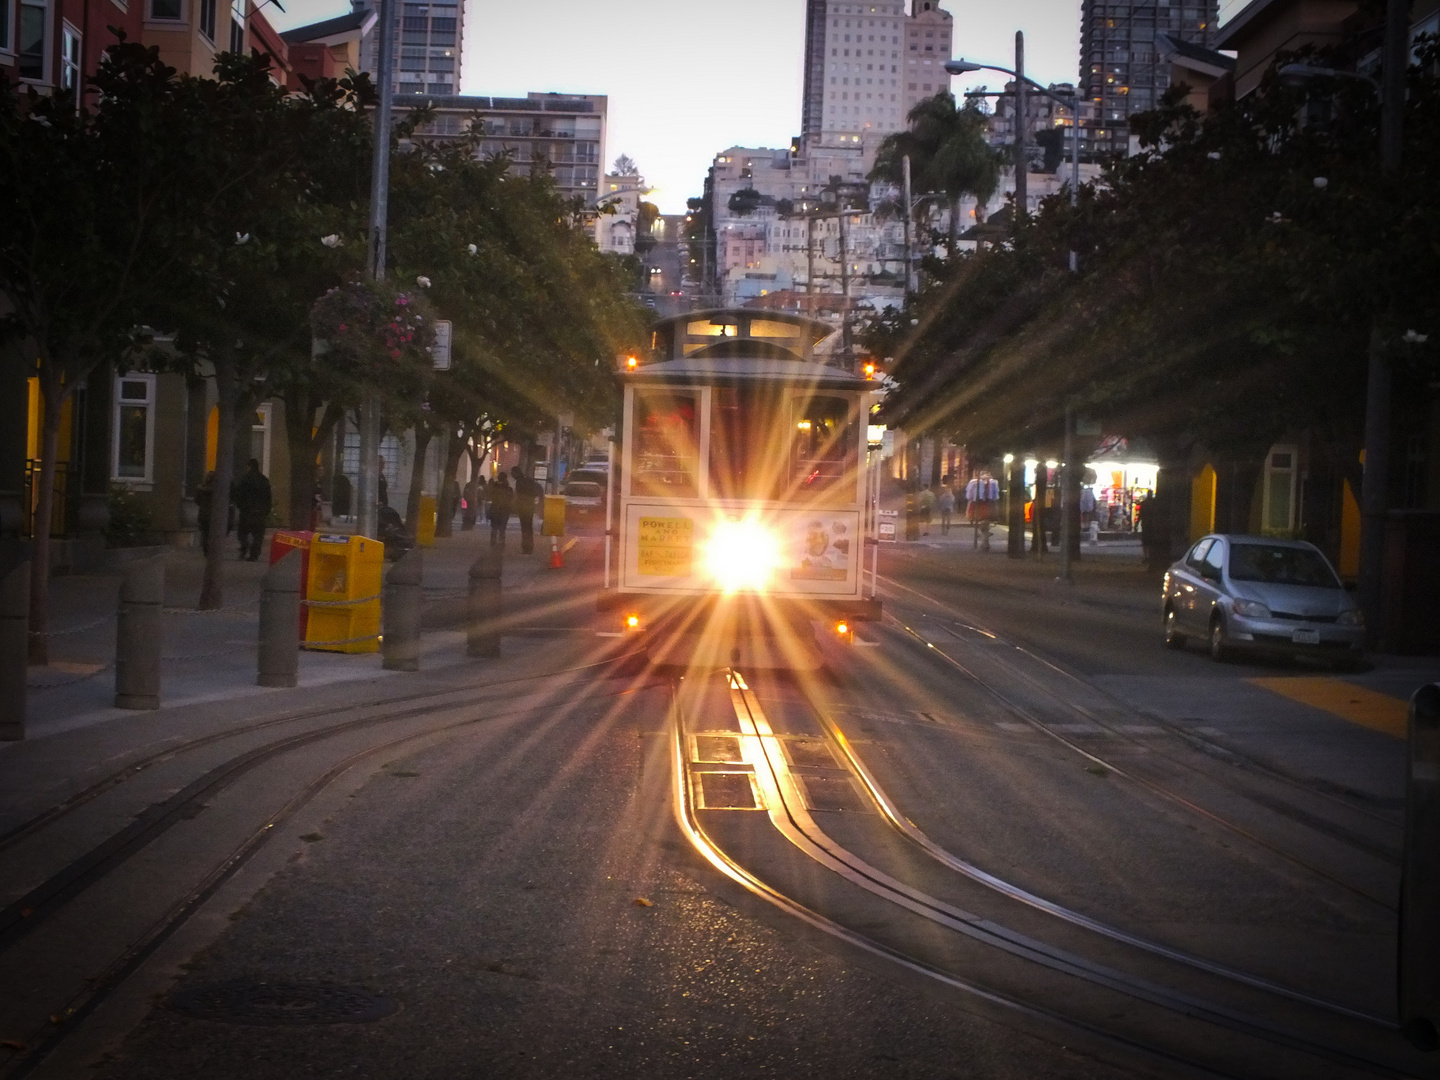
(689, 824)
(902, 824)
(962, 618)
(1153, 786)
(80, 1006)
(59, 810)
(791, 818)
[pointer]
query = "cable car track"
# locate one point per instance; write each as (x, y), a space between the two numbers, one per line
(96, 865)
(789, 815)
(38, 821)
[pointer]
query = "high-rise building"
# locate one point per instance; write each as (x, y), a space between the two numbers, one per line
(853, 71)
(561, 134)
(1122, 68)
(929, 37)
(426, 48)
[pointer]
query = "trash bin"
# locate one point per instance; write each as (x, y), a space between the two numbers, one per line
(553, 521)
(282, 543)
(342, 593)
(425, 526)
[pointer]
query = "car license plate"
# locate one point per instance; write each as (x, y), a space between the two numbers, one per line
(1305, 637)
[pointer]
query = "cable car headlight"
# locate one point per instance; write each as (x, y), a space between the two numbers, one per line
(742, 555)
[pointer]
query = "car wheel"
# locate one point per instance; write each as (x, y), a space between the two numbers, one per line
(1220, 650)
(1173, 638)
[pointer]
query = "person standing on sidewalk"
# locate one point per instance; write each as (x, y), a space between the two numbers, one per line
(253, 500)
(497, 510)
(927, 509)
(526, 491)
(947, 508)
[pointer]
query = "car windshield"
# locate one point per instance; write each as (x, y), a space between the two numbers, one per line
(1275, 564)
(587, 476)
(581, 489)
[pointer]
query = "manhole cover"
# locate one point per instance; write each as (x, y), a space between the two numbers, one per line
(726, 791)
(718, 748)
(811, 752)
(282, 1003)
(832, 793)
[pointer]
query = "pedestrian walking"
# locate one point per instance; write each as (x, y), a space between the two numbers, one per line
(526, 493)
(927, 509)
(499, 504)
(204, 500)
(947, 508)
(253, 500)
(382, 488)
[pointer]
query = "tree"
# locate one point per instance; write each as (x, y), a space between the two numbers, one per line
(948, 153)
(99, 204)
(625, 166)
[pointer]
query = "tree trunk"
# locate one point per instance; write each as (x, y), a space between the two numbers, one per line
(447, 499)
(44, 514)
(299, 419)
(212, 588)
(955, 227)
(423, 435)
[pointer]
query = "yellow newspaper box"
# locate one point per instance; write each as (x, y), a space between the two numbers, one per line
(343, 596)
(425, 527)
(553, 523)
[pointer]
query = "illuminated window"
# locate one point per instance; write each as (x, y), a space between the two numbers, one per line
(823, 447)
(667, 438)
(134, 429)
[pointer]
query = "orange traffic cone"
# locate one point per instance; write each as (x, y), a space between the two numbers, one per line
(556, 561)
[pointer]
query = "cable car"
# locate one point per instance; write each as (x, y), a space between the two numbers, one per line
(743, 503)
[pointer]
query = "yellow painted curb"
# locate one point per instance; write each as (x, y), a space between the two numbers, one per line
(1368, 708)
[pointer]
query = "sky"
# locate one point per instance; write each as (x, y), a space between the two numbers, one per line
(689, 78)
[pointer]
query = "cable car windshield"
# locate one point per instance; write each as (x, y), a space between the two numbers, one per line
(770, 444)
(667, 438)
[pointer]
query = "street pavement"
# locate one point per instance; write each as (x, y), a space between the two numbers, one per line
(491, 845)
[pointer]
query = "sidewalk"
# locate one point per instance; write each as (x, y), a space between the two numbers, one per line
(211, 655)
(1110, 573)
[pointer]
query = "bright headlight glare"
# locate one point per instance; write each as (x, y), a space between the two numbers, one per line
(1252, 609)
(742, 555)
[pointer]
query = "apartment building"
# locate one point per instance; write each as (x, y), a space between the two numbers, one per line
(618, 214)
(1123, 69)
(866, 65)
(563, 134)
(425, 56)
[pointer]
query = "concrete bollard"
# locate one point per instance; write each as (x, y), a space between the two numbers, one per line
(483, 611)
(1419, 938)
(14, 635)
(140, 635)
(400, 611)
(279, 659)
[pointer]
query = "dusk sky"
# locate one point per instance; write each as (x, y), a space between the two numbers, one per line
(688, 78)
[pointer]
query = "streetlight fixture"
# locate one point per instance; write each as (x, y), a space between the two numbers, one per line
(963, 67)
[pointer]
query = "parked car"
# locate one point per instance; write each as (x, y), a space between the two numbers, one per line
(584, 491)
(1252, 593)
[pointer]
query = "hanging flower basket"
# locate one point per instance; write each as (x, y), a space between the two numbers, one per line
(373, 331)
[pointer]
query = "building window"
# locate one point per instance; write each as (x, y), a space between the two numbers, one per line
(33, 20)
(1279, 491)
(70, 59)
(167, 10)
(5, 24)
(237, 26)
(134, 424)
(207, 19)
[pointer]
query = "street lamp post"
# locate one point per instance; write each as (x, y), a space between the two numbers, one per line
(961, 67)
(367, 488)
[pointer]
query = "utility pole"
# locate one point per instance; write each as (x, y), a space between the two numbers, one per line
(909, 253)
(368, 487)
(844, 287)
(1375, 480)
(1022, 162)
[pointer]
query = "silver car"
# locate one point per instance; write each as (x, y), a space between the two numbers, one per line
(1255, 593)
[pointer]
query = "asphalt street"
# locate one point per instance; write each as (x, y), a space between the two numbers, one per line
(540, 869)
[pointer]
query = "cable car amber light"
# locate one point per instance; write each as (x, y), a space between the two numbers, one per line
(742, 555)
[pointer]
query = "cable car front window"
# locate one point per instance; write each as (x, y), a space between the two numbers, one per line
(747, 445)
(667, 437)
(823, 451)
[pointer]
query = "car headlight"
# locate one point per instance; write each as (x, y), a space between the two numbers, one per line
(1351, 617)
(742, 555)
(1251, 609)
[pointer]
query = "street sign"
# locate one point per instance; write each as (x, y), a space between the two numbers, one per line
(886, 525)
(440, 351)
